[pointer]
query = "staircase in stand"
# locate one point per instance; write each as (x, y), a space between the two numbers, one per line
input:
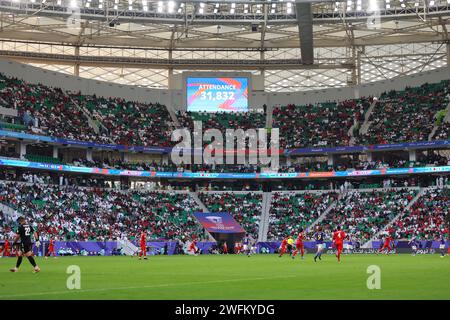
(322, 216)
(387, 226)
(265, 214)
(10, 214)
(445, 120)
(366, 124)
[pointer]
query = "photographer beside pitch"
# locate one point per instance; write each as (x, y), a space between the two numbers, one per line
(24, 233)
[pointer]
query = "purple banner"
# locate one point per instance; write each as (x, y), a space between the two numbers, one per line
(377, 147)
(219, 222)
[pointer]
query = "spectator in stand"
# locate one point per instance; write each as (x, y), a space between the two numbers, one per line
(325, 125)
(363, 214)
(426, 218)
(75, 213)
(291, 211)
(415, 106)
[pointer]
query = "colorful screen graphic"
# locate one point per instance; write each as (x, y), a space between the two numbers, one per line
(219, 222)
(217, 94)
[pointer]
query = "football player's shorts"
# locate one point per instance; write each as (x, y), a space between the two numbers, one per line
(442, 246)
(245, 247)
(414, 247)
(26, 247)
(320, 246)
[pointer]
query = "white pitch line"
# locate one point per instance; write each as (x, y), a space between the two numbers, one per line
(140, 287)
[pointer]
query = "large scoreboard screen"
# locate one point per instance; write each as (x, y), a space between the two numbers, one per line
(217, 94)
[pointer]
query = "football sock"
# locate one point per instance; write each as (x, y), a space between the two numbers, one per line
(31, 259)
(19, 261)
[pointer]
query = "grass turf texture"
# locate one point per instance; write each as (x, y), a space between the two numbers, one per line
(230, 277)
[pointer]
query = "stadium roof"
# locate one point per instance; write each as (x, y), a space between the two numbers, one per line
(237, 34)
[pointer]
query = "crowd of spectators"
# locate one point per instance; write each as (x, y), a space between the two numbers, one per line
(324, 124)
(75, 213)
(442, 132)
(166, 167)
(430, 159)
(128, 122)
(426, 218)
(223, 120)
(59, 113)
(47, 110)
(291, 211)
(363, 214)
(408, 115)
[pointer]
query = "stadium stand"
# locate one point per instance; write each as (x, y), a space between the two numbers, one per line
(74, 213)
(415, 106)
(291, 211)
(223, 120)
(426, 217)
(364, 213)
(130, 123)
(325, 124)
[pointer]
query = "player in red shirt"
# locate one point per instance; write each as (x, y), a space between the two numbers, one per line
(6, 249)
(299, 245)
(283, 247)
(387, 244)
(193, 247)
(143, 244)
(51, 249)
(338, 241)
(237, 248)
(225, 248)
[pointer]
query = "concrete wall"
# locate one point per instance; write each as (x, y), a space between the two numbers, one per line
(8, 112)
(174, 98)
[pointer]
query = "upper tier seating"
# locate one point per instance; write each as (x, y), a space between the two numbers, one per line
(407, 116)
(325, 124)
(130, 123)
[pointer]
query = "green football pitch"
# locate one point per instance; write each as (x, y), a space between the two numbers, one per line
(230, 277)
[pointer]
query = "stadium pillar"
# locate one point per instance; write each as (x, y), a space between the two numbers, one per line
(262, 57)
(305, 29)
(21, 149)
(412, 155)
(288, 161)
(330, 160)
(448, 54)
(55, 152)
(369, 156)
(358, 67)
(89, 154)
(124, 157)
(354, 67)
(165, 159)
(76, 67)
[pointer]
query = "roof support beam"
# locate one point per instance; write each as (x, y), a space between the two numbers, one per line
(305, 28)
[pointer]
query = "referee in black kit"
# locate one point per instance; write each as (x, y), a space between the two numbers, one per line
(24, 233)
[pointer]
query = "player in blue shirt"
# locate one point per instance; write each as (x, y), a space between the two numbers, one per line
(442, 246)
(414, 245)
(319, 236)
(246, 245)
